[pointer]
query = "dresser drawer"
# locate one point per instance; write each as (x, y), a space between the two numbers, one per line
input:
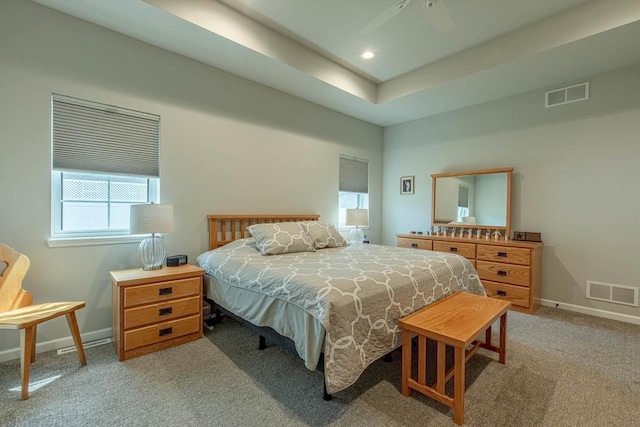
(404, 242)
(507, 254)
(467, 250)
(506, 273)
(157, 292)
(160, 332)
(160, 312)
(516, 294)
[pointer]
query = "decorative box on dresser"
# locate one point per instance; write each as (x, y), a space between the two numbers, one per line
(156, 309)
(509, 270)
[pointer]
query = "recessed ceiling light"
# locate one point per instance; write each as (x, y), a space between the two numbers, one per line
(368, 54)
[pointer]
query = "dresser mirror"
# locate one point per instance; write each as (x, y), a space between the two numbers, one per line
(476, 199)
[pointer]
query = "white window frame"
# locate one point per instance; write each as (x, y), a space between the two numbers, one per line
(361, 203)
(56, 208)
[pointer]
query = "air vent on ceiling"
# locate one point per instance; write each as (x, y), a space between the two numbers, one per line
(566, 95)
(618, 294)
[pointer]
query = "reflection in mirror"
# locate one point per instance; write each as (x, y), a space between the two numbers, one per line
(480, 198)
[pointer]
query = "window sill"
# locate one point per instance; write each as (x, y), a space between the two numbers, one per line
(61, 242)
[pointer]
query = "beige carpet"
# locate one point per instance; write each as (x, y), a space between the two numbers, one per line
(563, 369)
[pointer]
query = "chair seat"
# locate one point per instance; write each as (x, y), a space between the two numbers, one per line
(30, 315)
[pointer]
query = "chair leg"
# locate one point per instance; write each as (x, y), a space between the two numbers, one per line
(33, 347)
(77, 339)
(27, 344)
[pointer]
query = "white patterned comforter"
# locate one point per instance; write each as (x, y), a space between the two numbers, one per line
(357, 292)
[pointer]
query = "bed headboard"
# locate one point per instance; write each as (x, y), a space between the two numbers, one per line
(225, 229)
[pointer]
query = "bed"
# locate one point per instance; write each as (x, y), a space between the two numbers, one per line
(339, 306)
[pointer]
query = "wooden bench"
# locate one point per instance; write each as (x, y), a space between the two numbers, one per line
(457, 321)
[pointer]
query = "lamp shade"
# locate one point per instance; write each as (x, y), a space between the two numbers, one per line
(151, 218)
(357, 217)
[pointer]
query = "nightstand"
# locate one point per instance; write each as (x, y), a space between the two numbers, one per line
(156, 309)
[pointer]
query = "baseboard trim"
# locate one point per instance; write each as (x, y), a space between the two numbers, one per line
(14, 353)
(41, 347)
(592, 311)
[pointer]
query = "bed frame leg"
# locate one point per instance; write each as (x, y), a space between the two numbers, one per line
(326, 396)
(262, 345)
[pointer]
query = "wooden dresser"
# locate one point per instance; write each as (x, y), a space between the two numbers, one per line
(156, 309)
(509, 270)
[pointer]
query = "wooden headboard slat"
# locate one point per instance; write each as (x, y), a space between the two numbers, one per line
(224, 229)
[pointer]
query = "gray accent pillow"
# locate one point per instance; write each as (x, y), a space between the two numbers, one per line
(323, 234)
(281, 238)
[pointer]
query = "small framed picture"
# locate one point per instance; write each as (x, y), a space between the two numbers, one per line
(407, 185)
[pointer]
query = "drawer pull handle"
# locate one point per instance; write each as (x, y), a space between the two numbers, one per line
(165, 291)
(165, 311)
(502, 254)
(414, 245)
(502, 273)
(502, 293)
(452, 249)
(165, 331)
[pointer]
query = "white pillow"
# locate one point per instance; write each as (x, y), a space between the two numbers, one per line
(323, 234)
(281, 238)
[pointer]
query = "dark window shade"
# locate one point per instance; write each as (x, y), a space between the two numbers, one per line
(354, 175)
(463, 197)
(94, 137)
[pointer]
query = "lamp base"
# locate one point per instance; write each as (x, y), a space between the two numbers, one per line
(152, 252)
(356, 236)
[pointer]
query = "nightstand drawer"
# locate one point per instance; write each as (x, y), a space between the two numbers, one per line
(157, 292)
(145, 315)
(467, 250)
(506, 254)
(506, 273)
(404, 242)
(516, 294)
(161, 332)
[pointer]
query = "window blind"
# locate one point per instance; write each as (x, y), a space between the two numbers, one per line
(93, 137)
(354, 175)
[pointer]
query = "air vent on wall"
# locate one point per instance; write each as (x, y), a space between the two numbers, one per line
(618, 294)
(566, 95)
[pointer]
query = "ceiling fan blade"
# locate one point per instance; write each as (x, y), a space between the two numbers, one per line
(438, 15)
(385, 16)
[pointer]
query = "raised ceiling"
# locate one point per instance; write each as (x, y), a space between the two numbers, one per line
(311, 49)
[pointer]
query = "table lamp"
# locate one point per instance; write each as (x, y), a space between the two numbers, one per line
(152, 219)
(357, 218)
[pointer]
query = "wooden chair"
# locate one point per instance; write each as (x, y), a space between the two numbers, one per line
(18, 312)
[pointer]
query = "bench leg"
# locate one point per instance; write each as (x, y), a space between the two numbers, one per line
(458, 388)
(503, 339)
(440, 367)
(406, 361)
(487, 337)
(422, 360)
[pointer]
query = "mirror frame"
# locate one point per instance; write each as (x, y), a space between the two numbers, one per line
(508, 171)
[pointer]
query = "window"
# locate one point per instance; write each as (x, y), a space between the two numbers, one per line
(105, 159)
(91, 204)
(353, 189)
(463, 203)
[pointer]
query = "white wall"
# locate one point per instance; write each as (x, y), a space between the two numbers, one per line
(228, 146)
(576, 178)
